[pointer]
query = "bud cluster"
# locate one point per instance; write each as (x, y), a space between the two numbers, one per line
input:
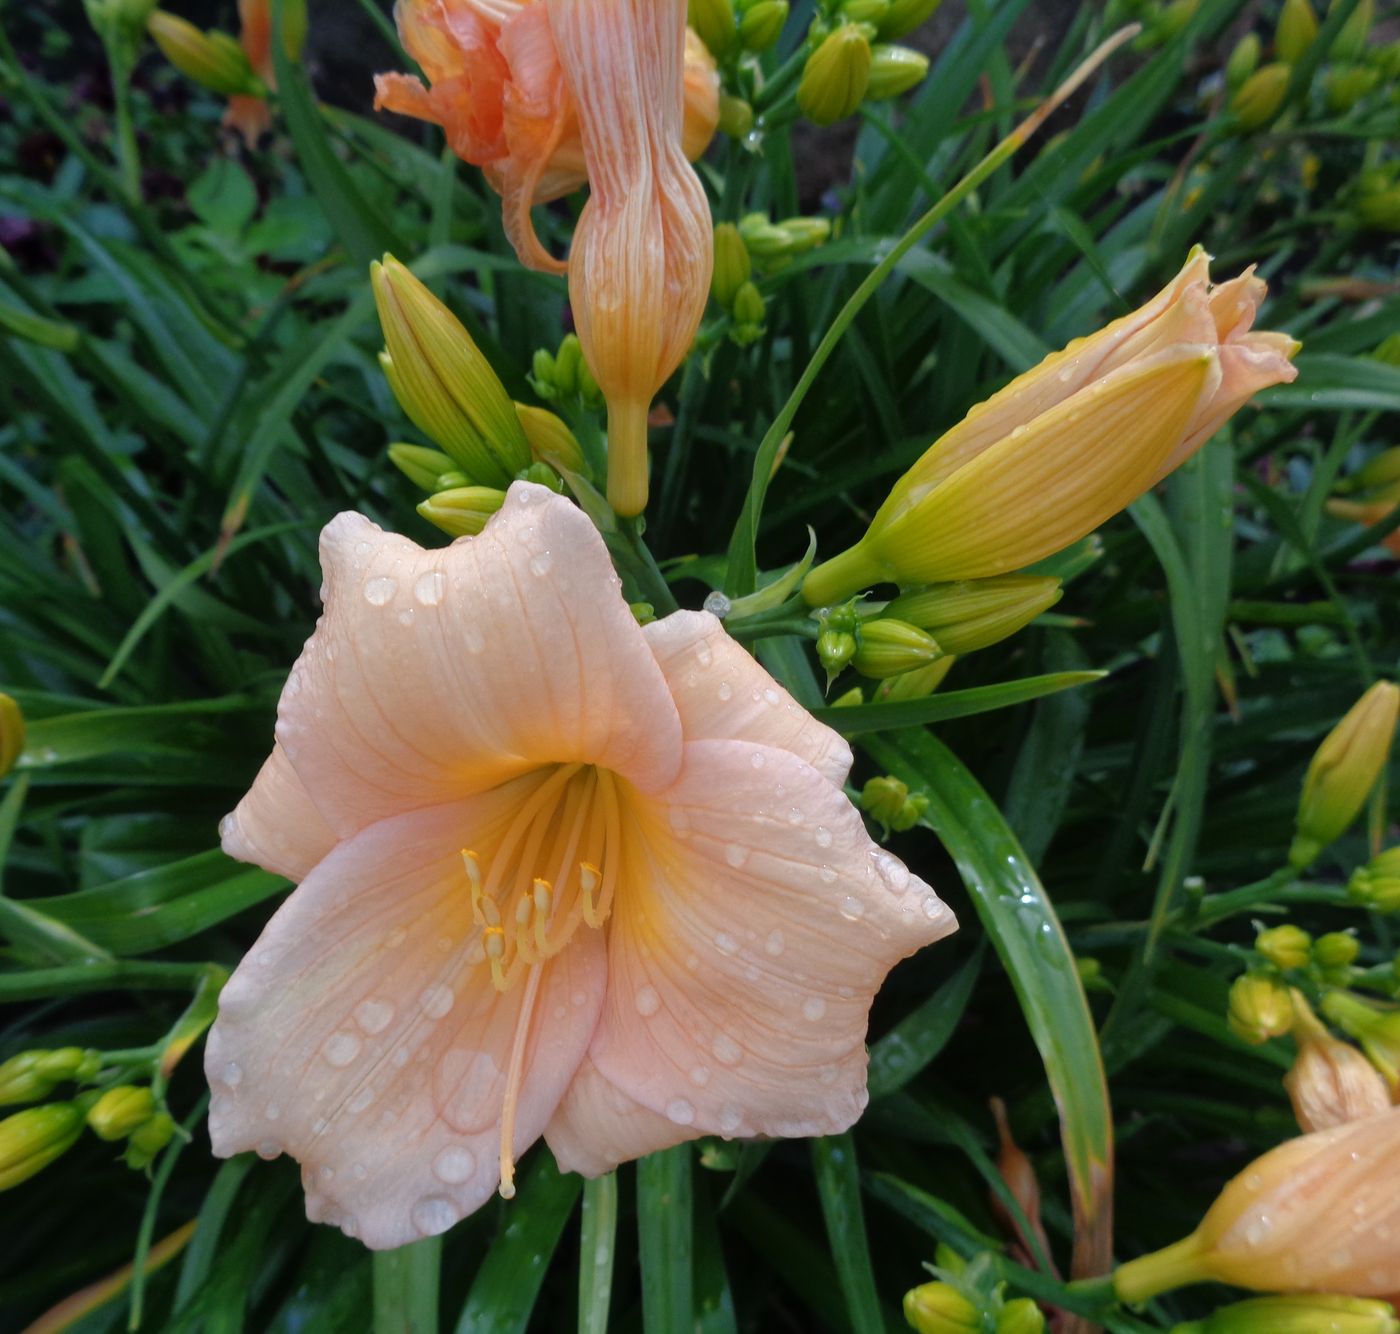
(965, 1298)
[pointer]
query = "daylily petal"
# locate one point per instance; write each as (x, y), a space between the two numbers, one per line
(754, 923)
(722, 692)
(363, 1036)
(277, 825)
(436, 674)
(597, 1126)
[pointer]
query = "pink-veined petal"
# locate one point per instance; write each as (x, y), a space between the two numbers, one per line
(436, 674)
(722, 693)
(362, 1034)
(277, 824)
(597, 1126)
(754, 924)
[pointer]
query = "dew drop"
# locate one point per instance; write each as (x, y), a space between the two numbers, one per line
(756, 759)
(1258, 1229)
(429, 587)
(774, 944)
(233, 1074)
(268, 1149)
(541, 563)
(725, 691)
(272, 1111)
(647, 1001)
(852, 909)
(823, 836)
(828, 875)
(341, 1049)
(378, 591)
(680, 1111)
(736, 854)
(703, 655)
(700, 1075)
(437, 1001)
(360, 1101)
(227, 825)
(454, 1165)
(717, 604)
(433, 1214)
(813, 1008)
(932, 906)
(726, 1050)
(794, 815)
(730, 1119)
(406, 616)
(400, 1056)
(893, 872)
(725, 943)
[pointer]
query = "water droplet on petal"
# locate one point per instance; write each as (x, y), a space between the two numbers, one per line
(272, 1111)
(828, 875)
(680, 1111)
(774, 944)
(647, 1001)
(406, 616)
(227, 825)
(932, 906)
(730, 1119)
(433, 1214)
(437, 1001)
(892, 871)
(233, 1074)
(813, 1008)
(540, 564)
(454, 1165)
(341, 1049)
(852, 909)
(725, 691)
(360, 1101)
(757, 759)
(378, 591)
(725, 943)
(700, 1075)
(736, 854)
(823, 836)
(703, 655)
(726, 1050)
(268, 1149)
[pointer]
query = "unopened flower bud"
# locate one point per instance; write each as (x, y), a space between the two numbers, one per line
(1377, 884)
(1260, 1008)
(1244, 60)
(976, 613)
(1020, 1316)
(443, 382)
(1259, 98)
(30, 1140)
(1337, 949)
(1285, 947)
(713, 21)
(763, 238)
(1304, 1313)
(1330, 1082)
(732, 264)
(918, 684)
(939, 1308)
(550, 439)
(11, 734)
(1346, 85)
(542, 370)
(1379, 209)
(804, 233)
(35, 1074)
(888, 800)
(120, 1110)
(464, 510)
(905, 15)
(1350, 43)
(894, 70)
(421, 465)
(762, 24)
(864, 11)
(836, 76)
(542, 475)
(214, 60)
(1344, 770)
(748, 305)
(888, 647)
(735, 116)
(1296, 30)
(1377, 1030)
(850, 699)
(148, 1139)
(835, 649)
(643, 612)
(1384, 468)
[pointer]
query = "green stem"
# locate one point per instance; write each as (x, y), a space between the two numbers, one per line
(1173, 1266)
(597, 1249)
(837, 579)
(1216, 907)
(128, 154)
(642, 566)
(767, 627)
(406, 1283)
(72, 980)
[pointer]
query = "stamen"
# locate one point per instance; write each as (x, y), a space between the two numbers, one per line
(590, 878)
(493, 938)
(514, 1071)
(544, 900)
(473, 866)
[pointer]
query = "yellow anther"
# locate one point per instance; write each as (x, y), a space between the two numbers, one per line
(493, 939)
(473, 868)
(491, 914)
(590, 877)
(544, 901)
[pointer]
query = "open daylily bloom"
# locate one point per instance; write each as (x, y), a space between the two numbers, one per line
(1071, 442)
(560, 875)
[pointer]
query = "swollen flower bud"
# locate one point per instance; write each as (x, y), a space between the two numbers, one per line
(214, 60)
(1377, 1030)
(762, 24)
(464, 510)
(1317, 1214)
(732, 264)
(713, 21)
(888, 647)
(421, 465)
(894, 70)
(887, 800)
(11, 734)
(1377, 884)
(976, 613)
(1259, 1009)
(939, 1308)
(918, 684)
(1350, 43)
(33, 1075)
(1344, 770)
(905, 15)
(1296, 30)
(1020, 1316)
(1306, 1313)
(1337, 949)
(1330, 1082)
(120, 1110)
(835, 649)
(148, 1139)
(1259, 98)
(442, 381)
(1285, 947)
(1346, 85)
(1244, 60)
(836, 76)
(30, 1140)
(735, 116)
(550, 439)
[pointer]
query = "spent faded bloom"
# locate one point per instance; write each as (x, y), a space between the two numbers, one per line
(248, 113)
(1319, 1213)
(560, 875)
(1330, 1082)
(1068, 444)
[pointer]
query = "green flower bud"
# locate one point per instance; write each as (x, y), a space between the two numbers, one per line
(1384, 468)
(11, 734)
(1350, 43)
(214, 60)
(735, 116)
(894, 70)
(1244, 60)
(764, 239)
(1260, 1008)
(1387, 352)
(1380, 210)
(748, 305)
(421, 465)
(148, 1139)
(732, 264)
(713, 21)
(550, 439)
(1377, 1030)
(888, 647)
(1285, 947)
(804, 234)
(543, 475)
(1377, 884)
(33, 1075)
(566, 363)
(1346, 85)
(1296, 30)
(644, 612)
(939, 1308)
(1337, 949)
(976, 613)
(888, 800)
(864, 11)
(1020, 1316)
(835, 649)
(542, 374)
(1258, 100)
(1301, 1313)
(30, 1140)
(464, 510)
(918, 684)
(836, 75)
(853, 697)
(905, 15)
(120, 1110)
(762, 25)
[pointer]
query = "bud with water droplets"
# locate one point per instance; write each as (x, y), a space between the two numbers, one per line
(1244, 60)
(713, 21)
(1377, 884)
(939, 1308)
(1260, 1008)
(1285, 946)
(762, 24)
(835, 77)
(214, 60)
(443, 382)
(1330, 1082)
(550, 439)
(976, 613)
(30, 1140)
(1307, 1313)
(120, 1110)
(1344, 770)
(735, 116)
(11, 734)
(462, 511)
(905, 15)
(888, 647)
(1260, 97)
(1377, 1030)
(732, 264)
(835, 649)
(894, 70)
(1317, 1214)
(1296, 30)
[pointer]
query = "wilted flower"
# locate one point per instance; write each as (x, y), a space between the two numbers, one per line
(1319, 1213)
(1330, 1082)
(560, 874)
(1068, 444)
(248, 113)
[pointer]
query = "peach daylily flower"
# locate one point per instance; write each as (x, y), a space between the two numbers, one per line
(560, 875)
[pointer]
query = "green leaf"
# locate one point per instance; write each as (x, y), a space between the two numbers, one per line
(597, 1249)
(838, 1184)
(664, 1227)
(223, 196)
(913, 1042)
(406, 1284)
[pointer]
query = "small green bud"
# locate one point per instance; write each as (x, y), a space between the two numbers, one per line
(33, 1075)
(1337, 949)
(894, 70)
(1244, 60)
(888, 800)
(864, 11)
(854, 696)
(1260, 1008)
(888, 647)
(835, 649)
(644, 612)
(1350, 43)
(1296, 30)
(542, 373)
(1346, 85)
(30, 1140)
(905, 15)
(804, 234)
(1377, 884)
(713, 21)
(1020, 1316)
(764, 239)
(120, 1110)
(939, 1308)
(732, 264)
(464, 510)
(1379, 209)
(149, 1139)
(1258, 100)
(735, 116)
(1285, 947)
(977, 613)
(550, 439)
(836, 75)
(11, 734)
(543, 475)
(566, 363)
(918, 684)
(762, 25)
(947, 1261)
(421, 465)
(748, 305)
